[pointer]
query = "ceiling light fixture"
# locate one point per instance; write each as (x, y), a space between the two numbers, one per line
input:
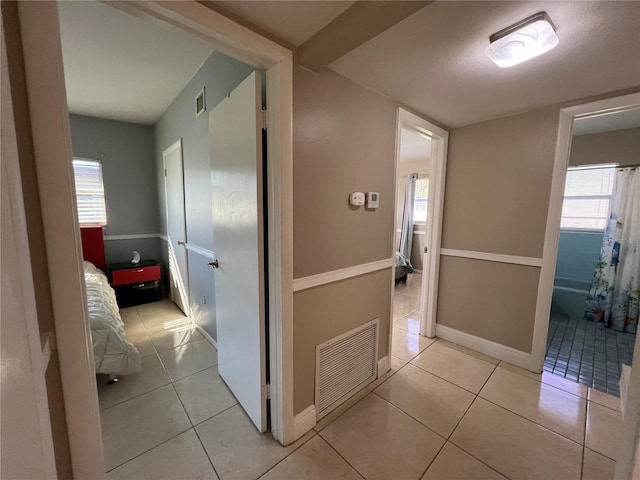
(522, 41)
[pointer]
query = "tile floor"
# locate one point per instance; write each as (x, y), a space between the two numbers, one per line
(587, 352)
(442, 412)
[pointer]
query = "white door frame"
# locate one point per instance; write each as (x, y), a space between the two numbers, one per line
(552, 231)
(44, 75)
(182, 287)
(437, 177)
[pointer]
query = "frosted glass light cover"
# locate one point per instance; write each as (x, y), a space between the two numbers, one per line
(525, 43)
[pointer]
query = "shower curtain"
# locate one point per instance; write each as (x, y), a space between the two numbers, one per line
(406, 235)
(614, 295)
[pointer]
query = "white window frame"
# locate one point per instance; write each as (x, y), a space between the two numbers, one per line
(102, 223)
(608, 197)
(420, 222)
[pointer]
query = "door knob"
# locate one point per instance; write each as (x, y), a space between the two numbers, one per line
(214, 264)
(180, 242)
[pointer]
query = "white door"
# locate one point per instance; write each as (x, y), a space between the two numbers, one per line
(176, 226)
(236, 180)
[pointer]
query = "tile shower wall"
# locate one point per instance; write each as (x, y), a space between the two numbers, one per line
(577, 255)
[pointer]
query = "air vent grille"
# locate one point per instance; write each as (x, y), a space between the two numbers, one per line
(344, 364)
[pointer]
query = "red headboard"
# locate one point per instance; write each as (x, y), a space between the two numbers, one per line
(93, 246)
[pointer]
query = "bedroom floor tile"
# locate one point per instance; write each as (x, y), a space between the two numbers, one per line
(204, 385)
(160, 315)
(175, 336)
(189, 359)
(152, 376)
(143, 343)
(135, 426)
(180, 457)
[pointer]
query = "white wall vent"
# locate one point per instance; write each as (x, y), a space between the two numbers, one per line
(344, 364)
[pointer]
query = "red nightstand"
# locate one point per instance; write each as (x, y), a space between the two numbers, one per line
(136, 284)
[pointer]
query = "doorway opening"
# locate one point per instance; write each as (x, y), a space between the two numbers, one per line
(412, 200)
(421, 155)
(163, 377)
(594, 308)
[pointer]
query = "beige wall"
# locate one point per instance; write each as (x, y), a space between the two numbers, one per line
(324, 312)
(491, 300)
(496, 201)
(498, 184)
(343, 141)
(619, 146)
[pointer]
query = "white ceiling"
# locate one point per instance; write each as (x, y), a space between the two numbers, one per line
(127, 68)
(292, 21)
(607, 122)
(434, 60)
(122, 67)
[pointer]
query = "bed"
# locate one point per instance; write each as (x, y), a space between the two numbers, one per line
(113, 354)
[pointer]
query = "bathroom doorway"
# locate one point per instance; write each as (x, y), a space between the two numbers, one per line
(594, 309)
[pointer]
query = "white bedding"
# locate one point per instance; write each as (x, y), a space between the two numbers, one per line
(113, 354)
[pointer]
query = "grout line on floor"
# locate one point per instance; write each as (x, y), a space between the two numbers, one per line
(219, 413)
(148, 450)
(350, 407)
(449, 381)
(546, 384)
(465, 451)
(206, 452)
(339, 454)
(288, 454)
(532, 421)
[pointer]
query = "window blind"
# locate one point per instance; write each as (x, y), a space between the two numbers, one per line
(587, 194)
(89, 192)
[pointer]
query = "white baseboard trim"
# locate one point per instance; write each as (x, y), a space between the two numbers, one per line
(135, 236)
(496, 350)
(206, 336)
(162, 236)
(337, 275)
(384, 365)
(492, 257)
(304, 422)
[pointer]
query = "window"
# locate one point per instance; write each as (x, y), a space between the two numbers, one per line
(421, 200)
(89, 192)
(587, 193)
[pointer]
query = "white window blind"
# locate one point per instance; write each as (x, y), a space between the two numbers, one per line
(421, 201)
(89, 192)
(587, 194)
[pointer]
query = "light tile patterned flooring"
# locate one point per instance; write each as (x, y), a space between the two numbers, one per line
(442, 412)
